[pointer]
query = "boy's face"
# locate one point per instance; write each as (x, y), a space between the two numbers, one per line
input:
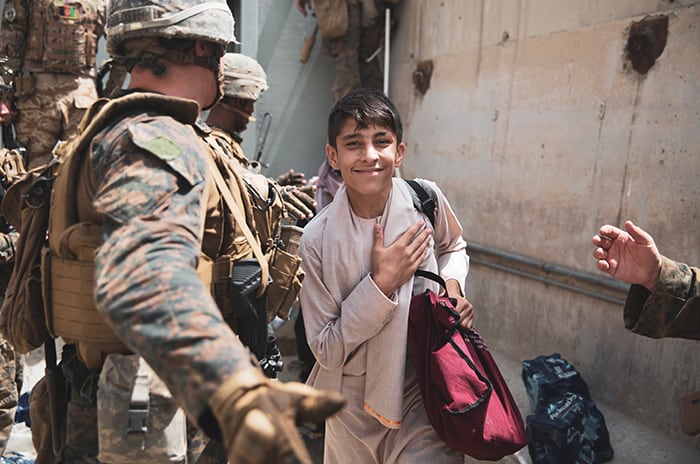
(366, 159)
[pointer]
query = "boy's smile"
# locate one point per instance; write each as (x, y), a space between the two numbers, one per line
(366, 158)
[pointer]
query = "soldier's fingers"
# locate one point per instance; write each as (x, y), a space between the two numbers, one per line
(294, 211)
(255, 439)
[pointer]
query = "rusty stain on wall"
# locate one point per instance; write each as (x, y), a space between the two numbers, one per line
(646, 42)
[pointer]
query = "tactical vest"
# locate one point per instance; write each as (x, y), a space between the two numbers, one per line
(57, 36)
(263, 199)
(75, 226)
(278, 240)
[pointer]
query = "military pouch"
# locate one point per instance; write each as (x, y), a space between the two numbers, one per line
(26, 207)
(285, 273)
(332, 16)
(138, 421)
(24, 85)
(690, 413)
(12, 166)
(251, 311)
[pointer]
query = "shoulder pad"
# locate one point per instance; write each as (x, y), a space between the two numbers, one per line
(175, 143)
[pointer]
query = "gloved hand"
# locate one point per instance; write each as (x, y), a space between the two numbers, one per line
(11, 166)
(258, 417)
(299, 201)
(292, 178)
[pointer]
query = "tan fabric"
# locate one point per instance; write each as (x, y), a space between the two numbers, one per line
(351, 439)
(351, 326)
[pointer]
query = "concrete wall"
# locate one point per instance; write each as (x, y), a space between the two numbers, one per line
(299, 97)
(539, 130)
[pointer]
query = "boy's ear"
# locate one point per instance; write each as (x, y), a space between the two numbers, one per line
(332, 156)
(400, 150)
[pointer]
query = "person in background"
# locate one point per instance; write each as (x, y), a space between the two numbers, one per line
(244, 81)
(51, 46)
(664, 299)
(360, 254)
(11, 364)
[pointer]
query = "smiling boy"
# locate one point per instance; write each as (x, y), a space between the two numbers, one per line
(360, 254)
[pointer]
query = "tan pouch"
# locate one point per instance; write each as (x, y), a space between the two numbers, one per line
(138, 421)
(285, 272)
(332, 17)
(690, 413)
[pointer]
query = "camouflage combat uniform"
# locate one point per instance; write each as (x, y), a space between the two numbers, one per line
(10, 361)
(350, 52)
(150, 173)
(672, 310)
(51, 45)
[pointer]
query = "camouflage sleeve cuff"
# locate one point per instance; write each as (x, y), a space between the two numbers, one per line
(676, 279)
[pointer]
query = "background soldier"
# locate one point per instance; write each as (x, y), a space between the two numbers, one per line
(51, 45)
(244, 81)
(351, 42)
(10, 362)
(134, 184)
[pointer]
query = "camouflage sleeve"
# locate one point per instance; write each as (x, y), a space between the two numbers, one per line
(150, 181)
(672, 310)
(7, 247)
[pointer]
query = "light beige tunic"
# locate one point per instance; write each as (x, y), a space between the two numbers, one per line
(359, 336)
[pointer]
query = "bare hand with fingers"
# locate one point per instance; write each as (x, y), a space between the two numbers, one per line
(629, 255)
(392, 266)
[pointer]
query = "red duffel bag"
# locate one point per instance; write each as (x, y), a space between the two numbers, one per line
(467, 400)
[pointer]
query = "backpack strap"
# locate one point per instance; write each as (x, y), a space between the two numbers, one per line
(424, 198)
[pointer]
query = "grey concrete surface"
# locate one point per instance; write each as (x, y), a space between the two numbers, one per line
(632, 441)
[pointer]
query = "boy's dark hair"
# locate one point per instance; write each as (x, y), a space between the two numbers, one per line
(365, 107)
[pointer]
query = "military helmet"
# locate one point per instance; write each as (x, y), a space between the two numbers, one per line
(243, 77)
(209, 20)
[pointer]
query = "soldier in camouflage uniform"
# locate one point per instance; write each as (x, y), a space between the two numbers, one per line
(144, 181)
(10, 362)
(664, 299)
(51, 45)
(244, 82)
(351, 50)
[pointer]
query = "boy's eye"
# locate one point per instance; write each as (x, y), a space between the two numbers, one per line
(383, 142)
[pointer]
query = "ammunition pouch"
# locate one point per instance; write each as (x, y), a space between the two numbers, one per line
(286, 278)
(137, 418)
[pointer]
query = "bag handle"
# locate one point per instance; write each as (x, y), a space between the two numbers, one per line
(431, 276)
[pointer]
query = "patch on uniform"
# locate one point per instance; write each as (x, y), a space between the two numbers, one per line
(163, 148)
(66, 11)
(10, 12)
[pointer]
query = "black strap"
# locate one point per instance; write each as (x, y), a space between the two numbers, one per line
(426, 202)
(431, 276)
